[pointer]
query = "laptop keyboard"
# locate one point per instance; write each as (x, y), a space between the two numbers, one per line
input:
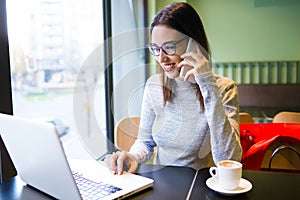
(93, 190)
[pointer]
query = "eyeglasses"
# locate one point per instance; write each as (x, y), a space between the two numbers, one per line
(168, 48)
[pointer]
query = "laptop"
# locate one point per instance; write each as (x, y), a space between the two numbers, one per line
(40, 160)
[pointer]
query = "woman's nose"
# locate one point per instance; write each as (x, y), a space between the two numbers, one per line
(162, 56)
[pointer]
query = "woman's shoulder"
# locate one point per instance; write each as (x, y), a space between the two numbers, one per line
(154, 79)
(153, 86)
(225, 82)
(223, 79)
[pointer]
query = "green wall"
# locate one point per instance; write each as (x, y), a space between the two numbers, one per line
(249, 30)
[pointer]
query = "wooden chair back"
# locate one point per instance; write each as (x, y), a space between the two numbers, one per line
(126, 132)
(287, 117)
(282, 157)
(245, 118)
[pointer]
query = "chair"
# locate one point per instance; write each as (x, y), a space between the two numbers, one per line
(287, 117)
(245, 118)
(126, 132)
(282, 157)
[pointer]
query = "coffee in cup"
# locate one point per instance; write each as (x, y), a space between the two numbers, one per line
(228, 174)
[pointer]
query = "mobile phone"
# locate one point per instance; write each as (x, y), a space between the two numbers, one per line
(191, 47)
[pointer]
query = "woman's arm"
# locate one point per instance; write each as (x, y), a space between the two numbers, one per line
(143, 147)
(220, 96)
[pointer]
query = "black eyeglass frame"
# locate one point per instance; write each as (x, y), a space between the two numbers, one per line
(149, 46)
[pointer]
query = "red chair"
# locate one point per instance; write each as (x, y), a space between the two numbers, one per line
(262, 142)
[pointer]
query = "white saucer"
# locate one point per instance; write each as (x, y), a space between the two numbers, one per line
(244, 186)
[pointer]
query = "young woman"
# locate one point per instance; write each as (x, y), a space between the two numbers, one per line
(191, 118)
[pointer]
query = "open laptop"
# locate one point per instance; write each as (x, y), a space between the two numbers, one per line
(39, 157)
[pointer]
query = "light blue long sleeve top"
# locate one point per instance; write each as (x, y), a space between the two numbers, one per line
(186, 135)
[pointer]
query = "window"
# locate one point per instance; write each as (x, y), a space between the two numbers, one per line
(129, 56)
(58, 66)
(54, 47)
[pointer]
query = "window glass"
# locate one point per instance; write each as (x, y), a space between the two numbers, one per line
(55, 46)
(129, 40)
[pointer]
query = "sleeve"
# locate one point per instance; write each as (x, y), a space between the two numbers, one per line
(143, 147)
(221, 111)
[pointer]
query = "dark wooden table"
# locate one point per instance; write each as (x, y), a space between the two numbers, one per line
(177, 183)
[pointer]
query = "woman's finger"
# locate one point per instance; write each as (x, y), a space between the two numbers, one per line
(120, 162)
(133, 165)
(192, 55)
(113, 162)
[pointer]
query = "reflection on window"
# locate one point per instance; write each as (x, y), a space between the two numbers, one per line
(49, 42)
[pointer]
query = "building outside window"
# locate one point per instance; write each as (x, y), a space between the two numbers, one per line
(50, 43)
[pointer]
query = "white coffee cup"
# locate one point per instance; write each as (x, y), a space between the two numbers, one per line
(228, 174)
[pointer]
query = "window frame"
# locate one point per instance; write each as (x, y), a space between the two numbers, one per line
(7, 168)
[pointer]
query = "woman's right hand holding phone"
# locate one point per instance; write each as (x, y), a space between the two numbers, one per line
(197, 63)
(194, 62)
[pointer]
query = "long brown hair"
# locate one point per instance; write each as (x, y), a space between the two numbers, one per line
(184, 18)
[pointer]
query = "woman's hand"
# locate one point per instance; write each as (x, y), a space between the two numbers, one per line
(120, 159)
(197, 63)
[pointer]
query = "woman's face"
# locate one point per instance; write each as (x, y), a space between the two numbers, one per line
(162, 34)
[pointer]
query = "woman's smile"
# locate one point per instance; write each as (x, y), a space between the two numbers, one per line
(168, 66)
